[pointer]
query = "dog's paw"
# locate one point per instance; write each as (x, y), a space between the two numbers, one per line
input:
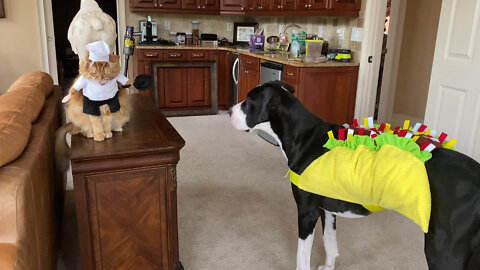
(326, 267)
(99, 137)
(108, 134)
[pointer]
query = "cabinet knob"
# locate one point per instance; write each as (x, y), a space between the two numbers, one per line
(279, 7)
(246, 72)
(309, 5)
(306, 5)
(160, 5)
(198, 7)
(242, 8)
(156, 4)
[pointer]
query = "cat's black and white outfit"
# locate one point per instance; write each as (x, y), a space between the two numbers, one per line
(96, 94)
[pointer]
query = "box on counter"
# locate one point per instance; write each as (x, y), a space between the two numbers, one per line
(257, 43)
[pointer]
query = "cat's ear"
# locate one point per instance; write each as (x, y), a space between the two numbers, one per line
(114, 58)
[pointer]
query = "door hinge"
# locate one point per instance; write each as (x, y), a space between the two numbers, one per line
(370, 59)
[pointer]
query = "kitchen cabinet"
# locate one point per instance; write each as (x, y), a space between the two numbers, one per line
(312, 4)
(183, 87)
(201, 5)
(145, 57)
(223, 76)
(290, 76)
(329, 92)
(232, 5)
(282, 5)
(249, 75)
(346, 4)
(347, 8)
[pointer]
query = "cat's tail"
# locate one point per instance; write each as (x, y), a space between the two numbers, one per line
(62, 149)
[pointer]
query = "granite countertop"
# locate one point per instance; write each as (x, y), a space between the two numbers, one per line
(279, 57)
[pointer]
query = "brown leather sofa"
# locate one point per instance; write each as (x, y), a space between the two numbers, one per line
(31, 190)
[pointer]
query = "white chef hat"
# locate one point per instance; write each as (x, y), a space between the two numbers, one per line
(99, 51)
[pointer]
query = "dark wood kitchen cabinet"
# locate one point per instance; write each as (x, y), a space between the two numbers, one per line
(223, 77)
(144, 3)
(201, 5)
(145, 58)
(282, 5)
(249, 75)
(329, 92)
(183, 87)
(312, 4)
(232, 5)
(126, 193)
(345, 4)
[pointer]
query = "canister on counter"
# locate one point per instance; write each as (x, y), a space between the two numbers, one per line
(189, 39)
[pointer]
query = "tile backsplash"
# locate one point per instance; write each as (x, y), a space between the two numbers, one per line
(218, 25)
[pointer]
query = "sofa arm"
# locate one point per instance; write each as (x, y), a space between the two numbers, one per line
(8, 256)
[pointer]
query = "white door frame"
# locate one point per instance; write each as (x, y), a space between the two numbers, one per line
(392, 60)
(371, 50)
(47, 38)
(121, 26)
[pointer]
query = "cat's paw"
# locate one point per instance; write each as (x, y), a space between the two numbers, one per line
(118, 129)
(88, 134)
(99, 137)
(108, 134)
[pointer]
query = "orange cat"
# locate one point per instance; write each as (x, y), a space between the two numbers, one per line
(99, 124)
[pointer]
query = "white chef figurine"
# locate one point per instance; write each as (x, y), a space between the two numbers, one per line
(95, 93)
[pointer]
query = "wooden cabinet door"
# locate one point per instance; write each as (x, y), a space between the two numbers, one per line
(262, 5)
(312, 4)
(329, 92)
(223, 75)
(198, 85)
(144, 68)
(288, 5)
(169, 4)
(346, 4)
(290, 76)
(191, 4)
(232, 5)
(173, 87)
(210, 5)
(249, 79)
(144, 3)
(276, 4)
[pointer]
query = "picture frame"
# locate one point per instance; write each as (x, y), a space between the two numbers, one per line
(2, 10)
(242, 32)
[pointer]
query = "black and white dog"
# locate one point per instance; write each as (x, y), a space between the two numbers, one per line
(453, 240)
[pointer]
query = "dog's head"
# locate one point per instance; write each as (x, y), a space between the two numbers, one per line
(261, 104)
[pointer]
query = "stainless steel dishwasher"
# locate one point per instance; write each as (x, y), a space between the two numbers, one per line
(269, 71)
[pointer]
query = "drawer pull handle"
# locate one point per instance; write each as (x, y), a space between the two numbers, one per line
(151, 54)
(249, 62)
(289, 73)
(174, 55)
(197, 55)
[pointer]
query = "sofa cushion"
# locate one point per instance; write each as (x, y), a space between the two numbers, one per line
(37, 79)
(8, 255)
(19, 108)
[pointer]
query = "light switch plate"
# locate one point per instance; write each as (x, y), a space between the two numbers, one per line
(357, 34)
(229, 27)
(341, 32)
(167, 25)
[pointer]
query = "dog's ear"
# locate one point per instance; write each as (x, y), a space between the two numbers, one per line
(269, 105)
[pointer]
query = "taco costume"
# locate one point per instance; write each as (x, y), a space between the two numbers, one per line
(376, 167)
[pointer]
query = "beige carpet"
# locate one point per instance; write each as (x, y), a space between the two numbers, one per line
(236, 211)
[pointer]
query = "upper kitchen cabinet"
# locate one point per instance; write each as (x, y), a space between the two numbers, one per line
(312, 4)
(144, 3)
(346, 4)
(156, 5)
(282, 5)
(232, 6)
(201, 5)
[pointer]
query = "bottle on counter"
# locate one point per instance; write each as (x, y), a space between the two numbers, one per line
(195, 33)
(295, 47)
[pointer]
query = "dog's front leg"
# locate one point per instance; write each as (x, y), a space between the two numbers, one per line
(306, 230)
(330, 240)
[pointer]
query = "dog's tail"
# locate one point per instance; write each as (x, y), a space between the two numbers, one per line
(62, 149)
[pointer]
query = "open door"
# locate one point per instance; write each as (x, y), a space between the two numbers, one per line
(453, 104)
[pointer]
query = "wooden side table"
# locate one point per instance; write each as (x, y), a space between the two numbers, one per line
(125, 193)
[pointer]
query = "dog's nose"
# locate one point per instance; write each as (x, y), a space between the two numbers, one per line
(230, 111)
